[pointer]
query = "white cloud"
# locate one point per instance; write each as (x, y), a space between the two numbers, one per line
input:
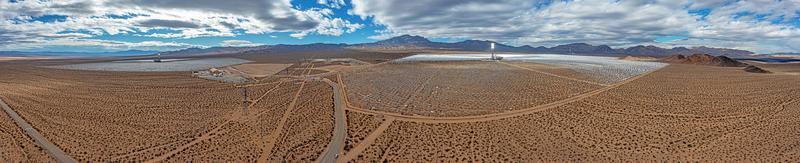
(299, 35)
(332, 3)
(239, 43)
(104, 44)
(183, 19)
(761, 25)
(615, 23)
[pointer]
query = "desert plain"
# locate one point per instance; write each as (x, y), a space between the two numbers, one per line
(387, 108)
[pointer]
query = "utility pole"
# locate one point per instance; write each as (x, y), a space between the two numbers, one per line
(245, 101)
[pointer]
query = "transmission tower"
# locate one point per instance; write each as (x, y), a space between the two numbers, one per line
(245, 101)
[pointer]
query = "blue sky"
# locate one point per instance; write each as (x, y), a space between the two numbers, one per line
(763, 26)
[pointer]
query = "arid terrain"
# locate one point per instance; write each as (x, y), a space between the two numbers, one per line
(680, 112)
(420, 111)
(340, 81)
(455, 88)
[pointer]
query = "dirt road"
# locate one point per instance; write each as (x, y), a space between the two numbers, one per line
(367, 141)
(334, 148)
(276, 135)
(390, 117)
(40, 140)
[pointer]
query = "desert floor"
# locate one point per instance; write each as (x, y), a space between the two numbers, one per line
(426, 111)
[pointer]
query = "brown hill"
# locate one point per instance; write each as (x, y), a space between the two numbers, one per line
(755, 69)
(704, 59)
(675, 58)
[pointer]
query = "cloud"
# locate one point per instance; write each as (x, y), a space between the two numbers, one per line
(300, 35)
(272, 15)
(148, 18)
(333, 3)
(763, 25)
(167, 23)
(97, 43)
(615, 23)
(239, 43)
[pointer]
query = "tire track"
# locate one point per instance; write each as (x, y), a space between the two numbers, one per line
(117, 158)
(274, 136)
(367, 141)
(212, 133)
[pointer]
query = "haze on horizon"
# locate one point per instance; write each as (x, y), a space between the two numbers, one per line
(761, 26)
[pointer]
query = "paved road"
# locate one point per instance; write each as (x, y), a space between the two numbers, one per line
(340, 127)
(51, 148)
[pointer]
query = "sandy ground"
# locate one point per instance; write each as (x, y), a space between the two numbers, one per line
(359, 126)
(15, 146)
(162, 116)
(681, 112)
(259, 70)
(168, 108)
(455, 88)
(304, 136)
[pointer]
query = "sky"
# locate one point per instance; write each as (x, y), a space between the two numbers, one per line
(762, 26)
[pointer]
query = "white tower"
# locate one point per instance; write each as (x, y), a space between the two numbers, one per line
(493, 58)
(158, 58)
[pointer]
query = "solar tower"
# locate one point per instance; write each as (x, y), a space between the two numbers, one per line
(493, 58)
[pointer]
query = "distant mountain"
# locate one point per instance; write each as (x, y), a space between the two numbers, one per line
(582, 48)
(404, 42)
(78, 54)
(408, 42)
(723, 51)
(211, 51)
(280, 48)
(418, 43)
(704, 59)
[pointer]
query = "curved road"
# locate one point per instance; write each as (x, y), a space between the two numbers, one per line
(340, 127)
(55, 152)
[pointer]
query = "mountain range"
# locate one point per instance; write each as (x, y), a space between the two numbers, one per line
(418, 43)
